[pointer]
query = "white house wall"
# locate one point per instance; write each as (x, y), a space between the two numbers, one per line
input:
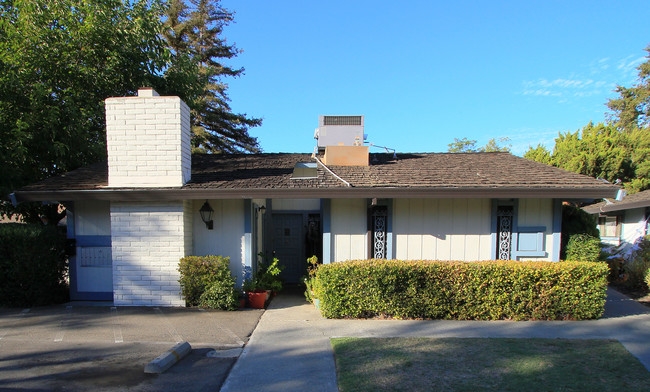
(633, 225)
(148, 240)
(349, 227)
(296, 204)
(535, 213)
(227, 236)
(442, 229)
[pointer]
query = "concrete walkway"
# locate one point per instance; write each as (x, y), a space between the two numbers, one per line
(290, 349)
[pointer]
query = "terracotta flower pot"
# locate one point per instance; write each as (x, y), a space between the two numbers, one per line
(256, 299)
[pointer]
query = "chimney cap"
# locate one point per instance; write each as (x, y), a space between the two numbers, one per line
(147, 92)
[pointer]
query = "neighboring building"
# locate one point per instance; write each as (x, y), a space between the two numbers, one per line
(135, 216)
(622, 223)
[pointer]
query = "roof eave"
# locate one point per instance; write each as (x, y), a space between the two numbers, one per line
(622, 206)
(146, 194)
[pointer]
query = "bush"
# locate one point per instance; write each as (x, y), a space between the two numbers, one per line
(638, 265)
(33, 265)
(583, 247)
(220, 295)
(576, 221)
(462, 290)
(198, 273)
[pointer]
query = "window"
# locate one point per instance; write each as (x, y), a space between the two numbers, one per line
(609, 226)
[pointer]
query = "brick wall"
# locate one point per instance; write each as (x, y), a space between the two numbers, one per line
(148, 240)
(148, 140)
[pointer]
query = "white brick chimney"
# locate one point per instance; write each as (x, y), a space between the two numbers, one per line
(148, 141)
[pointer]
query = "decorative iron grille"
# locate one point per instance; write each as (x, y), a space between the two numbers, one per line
(378, 218)
(504, 221)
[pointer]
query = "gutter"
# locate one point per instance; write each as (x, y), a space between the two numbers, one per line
(153, 194)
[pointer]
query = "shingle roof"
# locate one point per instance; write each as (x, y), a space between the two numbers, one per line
(635, 200)
(423, 171)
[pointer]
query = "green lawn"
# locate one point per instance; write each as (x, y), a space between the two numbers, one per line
(455, 364)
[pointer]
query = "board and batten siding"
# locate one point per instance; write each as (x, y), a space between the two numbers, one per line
(227, 238)
(349, 226)
(92, 264)
(442, 229)
(92, 217)
(536, 213)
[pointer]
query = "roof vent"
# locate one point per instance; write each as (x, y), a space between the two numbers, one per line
(339, 131)
(342, 120)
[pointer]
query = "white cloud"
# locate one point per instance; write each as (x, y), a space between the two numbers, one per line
(600, 77)
(564, 88)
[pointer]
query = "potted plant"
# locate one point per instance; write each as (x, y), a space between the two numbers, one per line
(310, 280)
(268, 277)
(255, 297)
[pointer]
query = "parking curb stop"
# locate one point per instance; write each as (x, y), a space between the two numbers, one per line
(169, 358)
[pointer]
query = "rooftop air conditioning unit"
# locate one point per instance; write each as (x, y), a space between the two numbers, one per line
(339, 131)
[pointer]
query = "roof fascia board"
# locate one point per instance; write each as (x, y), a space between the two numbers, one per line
(624, 206)
(333, 193)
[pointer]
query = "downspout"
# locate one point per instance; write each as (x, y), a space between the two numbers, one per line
(329, 171)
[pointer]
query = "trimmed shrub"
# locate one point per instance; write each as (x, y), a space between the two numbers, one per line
(491, 290)
(583, 247)
(576, 221)
(198, 273)
(33, 265)
(220, 295)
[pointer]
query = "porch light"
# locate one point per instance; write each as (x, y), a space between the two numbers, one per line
(206, 214)
(262, 210)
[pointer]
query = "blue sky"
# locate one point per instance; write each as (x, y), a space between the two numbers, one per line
(425, 72)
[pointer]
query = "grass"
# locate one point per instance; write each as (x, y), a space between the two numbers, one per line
(464, 364)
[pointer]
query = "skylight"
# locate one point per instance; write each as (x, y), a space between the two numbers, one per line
(304, 170)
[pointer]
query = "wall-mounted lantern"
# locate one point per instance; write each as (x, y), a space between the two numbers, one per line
(206, 214)
(262, 210)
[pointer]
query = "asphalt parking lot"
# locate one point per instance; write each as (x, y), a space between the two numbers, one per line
(103, 348)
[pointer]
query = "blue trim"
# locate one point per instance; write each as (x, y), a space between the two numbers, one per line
(81, 241)
(557, 229)
(493, 233)
(92, 296)
(539, 232)
(93, 240)
(72, 260)
(327, 231)
(248, 230)
(390, 252)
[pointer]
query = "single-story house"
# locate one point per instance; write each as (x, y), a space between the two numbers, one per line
(622, 222)
(132, 218)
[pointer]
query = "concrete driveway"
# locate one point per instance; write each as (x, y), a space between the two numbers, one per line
(102, 348)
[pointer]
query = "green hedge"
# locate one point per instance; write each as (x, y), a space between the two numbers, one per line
(583, 247)
(490, 290)
(206, 281)
(33, 265)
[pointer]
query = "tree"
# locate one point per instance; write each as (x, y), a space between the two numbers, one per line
(632, 107)
(603, 151)
(195, 30)
(539, 154)
(59, 60)
(467, 145)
